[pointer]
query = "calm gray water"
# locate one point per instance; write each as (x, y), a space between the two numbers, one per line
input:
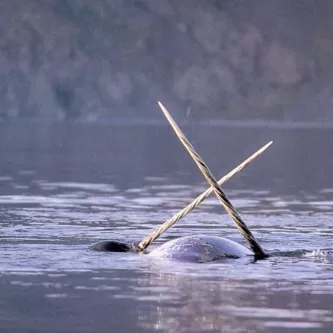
(64, 187)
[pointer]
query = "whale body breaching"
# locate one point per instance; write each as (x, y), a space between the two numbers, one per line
(201, 248)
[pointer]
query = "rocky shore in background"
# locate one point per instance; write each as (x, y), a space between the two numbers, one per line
(105, 59)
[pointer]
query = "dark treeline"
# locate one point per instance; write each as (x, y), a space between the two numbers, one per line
(93, 60)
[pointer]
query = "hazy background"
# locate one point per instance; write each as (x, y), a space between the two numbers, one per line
(107, 59)
(98, 165)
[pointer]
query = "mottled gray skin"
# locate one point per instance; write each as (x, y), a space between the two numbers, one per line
(201, 248)
(198, 248)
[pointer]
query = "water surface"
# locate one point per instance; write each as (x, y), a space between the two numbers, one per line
(64, 187)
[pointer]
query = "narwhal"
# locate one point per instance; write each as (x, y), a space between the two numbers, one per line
(197, 248)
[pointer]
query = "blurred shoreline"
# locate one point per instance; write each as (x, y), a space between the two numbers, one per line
(232, 60)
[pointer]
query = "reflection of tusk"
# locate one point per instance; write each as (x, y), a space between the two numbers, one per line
(242, 227)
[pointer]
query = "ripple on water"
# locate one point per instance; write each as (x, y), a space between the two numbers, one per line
(46, 234)
(286, 318)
